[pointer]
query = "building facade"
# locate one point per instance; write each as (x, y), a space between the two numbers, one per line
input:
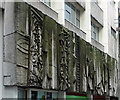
(59, 49)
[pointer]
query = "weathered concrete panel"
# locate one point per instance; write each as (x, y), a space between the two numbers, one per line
(21, 12)
(9, 19)
(53, 57)
(9, 75)
(9, 48)
(22, 48)
(22, 76)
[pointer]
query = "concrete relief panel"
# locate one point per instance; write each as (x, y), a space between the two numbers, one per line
(83, 70)
(50, 50)
(89, 67)
(43, 51)
(52, 57)
(36, 70)
(22, 51)
(77, 53)
(63, 60)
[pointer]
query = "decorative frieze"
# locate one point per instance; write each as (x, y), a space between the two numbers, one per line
(49, 56)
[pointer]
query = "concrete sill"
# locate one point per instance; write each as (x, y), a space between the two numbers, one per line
(75, 29)
(97, 44)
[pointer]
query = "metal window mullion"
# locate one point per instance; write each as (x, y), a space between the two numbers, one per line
(75, 17)
(78, 19)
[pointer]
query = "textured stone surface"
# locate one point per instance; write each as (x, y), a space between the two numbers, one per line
(52, 57)
(9, 48)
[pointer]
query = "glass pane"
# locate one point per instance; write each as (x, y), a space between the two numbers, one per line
(77, 23)
(67, 7)
(94, 31)
(49, 95)
(113, 32)
(54, 96)
(94, 37)
(77, 18)
(78, 14)
(34, 95)
(22, 94)
(72, 15)
(41, 95)
(67, 15)
(47, 2)
(97, 33)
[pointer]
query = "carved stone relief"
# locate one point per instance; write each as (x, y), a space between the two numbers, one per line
(36, 65)
(22, 58)
(52, 57)
(64, 43)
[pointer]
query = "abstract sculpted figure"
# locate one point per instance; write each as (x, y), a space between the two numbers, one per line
(64, 43)
(36, 51)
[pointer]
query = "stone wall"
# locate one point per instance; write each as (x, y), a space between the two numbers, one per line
(49, 56)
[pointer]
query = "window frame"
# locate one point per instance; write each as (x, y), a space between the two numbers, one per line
(74, 22)
(22, 92)
(94, 31)
(113, 32)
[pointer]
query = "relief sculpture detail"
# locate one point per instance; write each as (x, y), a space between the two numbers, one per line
(36, 66)
(57, 58)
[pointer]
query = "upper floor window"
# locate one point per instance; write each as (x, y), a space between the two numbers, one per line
(113, 32)
(47, 2)
(94, 31)
(72, 14)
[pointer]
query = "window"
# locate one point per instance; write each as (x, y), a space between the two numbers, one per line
(22, 94)
(47, 2)
(113, 32)
(42, 95)
(94, 31)
(72, 14)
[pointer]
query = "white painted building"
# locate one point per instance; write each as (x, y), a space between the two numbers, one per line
(95, 22)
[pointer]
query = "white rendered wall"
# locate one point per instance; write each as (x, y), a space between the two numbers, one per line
(104, 33)
(8, 92)
(109, 20)
(112, 42)
(85, 21)
(5, 92)
(59, 7)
